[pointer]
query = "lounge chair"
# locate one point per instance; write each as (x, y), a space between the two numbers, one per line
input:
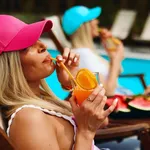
(57, 30)
(123, 23)
(5, 143)
(145, 36)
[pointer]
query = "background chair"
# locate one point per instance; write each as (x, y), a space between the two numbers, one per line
(57, 30)
(5, 143)
(145, 36)
(123, 23)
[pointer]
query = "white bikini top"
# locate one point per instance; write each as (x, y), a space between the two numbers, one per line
(70, 119)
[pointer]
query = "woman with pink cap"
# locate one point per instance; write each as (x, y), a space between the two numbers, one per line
(37, 119)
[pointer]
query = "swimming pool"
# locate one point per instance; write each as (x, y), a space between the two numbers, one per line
(130, 66)
(135, 66)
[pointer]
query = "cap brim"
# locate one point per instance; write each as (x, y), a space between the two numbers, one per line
(94, 13)
(29, 35)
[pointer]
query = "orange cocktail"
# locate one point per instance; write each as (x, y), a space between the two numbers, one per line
(86, 83)
(81, 94)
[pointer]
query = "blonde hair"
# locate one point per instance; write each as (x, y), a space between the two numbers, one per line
(15, 91)
(82, 37)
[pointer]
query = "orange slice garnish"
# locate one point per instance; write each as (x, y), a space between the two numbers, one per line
(86, 79)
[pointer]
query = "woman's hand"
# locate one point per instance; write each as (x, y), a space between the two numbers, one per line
(118, 54)
(115, 55)
(71, 61)
(90, 115)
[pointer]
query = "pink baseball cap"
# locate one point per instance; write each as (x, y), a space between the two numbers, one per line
(16, 35)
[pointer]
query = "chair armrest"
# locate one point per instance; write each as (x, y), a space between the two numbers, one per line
(5, 142)
(120, 131)
(140, 76)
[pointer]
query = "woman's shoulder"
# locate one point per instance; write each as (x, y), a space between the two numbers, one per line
(29, 114)
(31, 124)
(29, 119)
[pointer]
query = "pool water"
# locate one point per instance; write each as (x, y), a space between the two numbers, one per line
(130, 66)
(135, 66)
(53, 82)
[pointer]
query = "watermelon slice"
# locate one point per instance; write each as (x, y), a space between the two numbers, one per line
(122, 105)
(140, 103)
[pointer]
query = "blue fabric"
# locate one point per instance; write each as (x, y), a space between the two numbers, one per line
(74, 17)
(53, 82)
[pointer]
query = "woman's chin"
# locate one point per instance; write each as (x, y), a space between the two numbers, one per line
(50, 71)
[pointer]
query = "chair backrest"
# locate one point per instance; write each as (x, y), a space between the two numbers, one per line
(2, 126)
(146, 30)
(57, 30)
(5, 143)
(123, 23)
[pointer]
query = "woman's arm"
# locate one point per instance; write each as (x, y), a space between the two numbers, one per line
(114, 70)
(112, 79)
(116, 57)
(83, 140)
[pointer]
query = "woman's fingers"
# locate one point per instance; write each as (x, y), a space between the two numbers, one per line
(70, 58)
(66, 53)
(73, 103)
(98, 101)
(104, 123)
(102, 104)
(76, 60)
(94, 93)
(106, 33)
(108, 111)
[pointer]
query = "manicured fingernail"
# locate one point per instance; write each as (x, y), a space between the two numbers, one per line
(116, 101)
(58, 64)
(75, 59)
(60, 58)
(101, 85)
(69, 62)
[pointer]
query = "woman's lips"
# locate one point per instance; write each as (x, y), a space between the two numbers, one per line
(47, 60)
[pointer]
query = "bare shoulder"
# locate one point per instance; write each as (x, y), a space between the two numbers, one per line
(28, 115)
(31, 124)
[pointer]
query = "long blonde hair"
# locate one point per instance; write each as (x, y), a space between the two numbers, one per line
(15, 91)
(82, 37)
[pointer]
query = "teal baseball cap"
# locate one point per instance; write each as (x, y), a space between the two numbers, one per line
(74, 17)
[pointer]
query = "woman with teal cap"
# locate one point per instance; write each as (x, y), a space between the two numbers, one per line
(81, 25)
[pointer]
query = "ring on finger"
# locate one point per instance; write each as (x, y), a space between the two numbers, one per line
(89, 99)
